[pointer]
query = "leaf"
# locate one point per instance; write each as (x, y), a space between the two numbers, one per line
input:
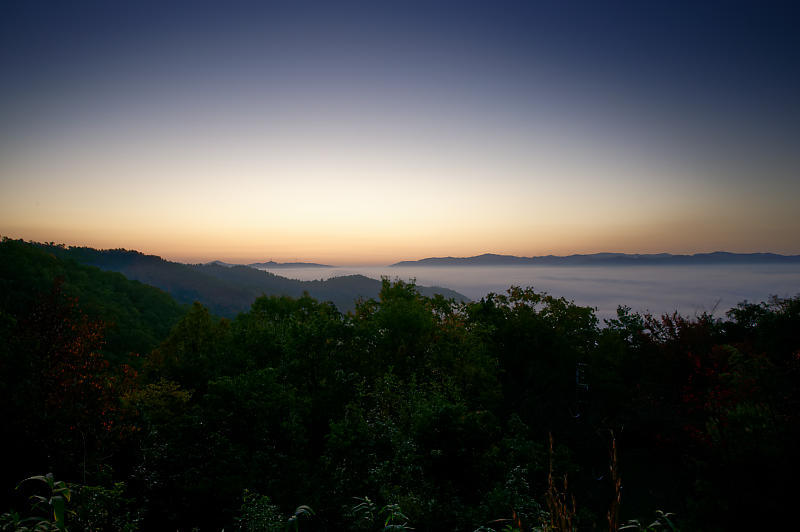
(58, 511)
(40, 478)
(304, 510)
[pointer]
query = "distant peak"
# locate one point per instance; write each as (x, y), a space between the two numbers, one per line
(606, 258)
(220, 263)
(273, 264)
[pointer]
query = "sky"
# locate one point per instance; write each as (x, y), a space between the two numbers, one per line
(372, 132)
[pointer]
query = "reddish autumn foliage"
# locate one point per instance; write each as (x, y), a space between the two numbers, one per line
(78, 389)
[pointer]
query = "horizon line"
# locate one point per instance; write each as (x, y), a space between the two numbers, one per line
(205, 259)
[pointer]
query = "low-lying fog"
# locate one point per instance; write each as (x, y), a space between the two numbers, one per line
(659, 289)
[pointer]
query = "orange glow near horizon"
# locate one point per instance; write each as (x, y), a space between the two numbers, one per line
(359, 137)
(350, 201)
(328, 247)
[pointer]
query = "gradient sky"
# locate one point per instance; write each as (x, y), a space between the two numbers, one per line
(372, 132)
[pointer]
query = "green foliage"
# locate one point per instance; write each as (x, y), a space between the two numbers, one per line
(74, 506)
(662, 523)
(137, 316)
(366, 516)
(437, 407)
(158, 403)
(50, 509)
(301, 514)
(194, 351)
(101, 508)
(258, 514)
(394, 519)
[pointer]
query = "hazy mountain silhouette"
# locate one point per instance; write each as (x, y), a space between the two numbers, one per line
(605, 259)
(273, 264)
(270, 264)
(220, 263)
(226, 289)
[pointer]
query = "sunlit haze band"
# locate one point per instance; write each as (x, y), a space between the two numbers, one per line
(367, 135)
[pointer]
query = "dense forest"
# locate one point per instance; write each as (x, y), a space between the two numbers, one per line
(125, 410)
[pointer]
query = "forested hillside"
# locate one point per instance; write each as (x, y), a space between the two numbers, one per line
(226, 289)
(409, 412)
(136, 316)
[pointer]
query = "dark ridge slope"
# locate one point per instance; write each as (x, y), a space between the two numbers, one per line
(227, 290)
(137, 316)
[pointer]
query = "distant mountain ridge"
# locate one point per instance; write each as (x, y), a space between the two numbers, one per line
(606, 259)
(224, 288)
(273, 264)
(270, 264)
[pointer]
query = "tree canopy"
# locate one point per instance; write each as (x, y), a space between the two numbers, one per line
(408, 411)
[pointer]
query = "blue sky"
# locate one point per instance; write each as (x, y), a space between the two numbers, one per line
(367, 132)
